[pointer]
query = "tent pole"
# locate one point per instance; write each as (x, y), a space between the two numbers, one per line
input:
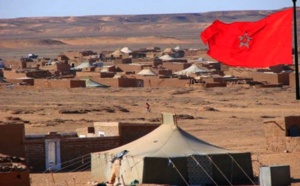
(296, 52)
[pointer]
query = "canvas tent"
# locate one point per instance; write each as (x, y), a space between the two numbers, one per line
(170, 155)
(83, 65)
(147, 72)
(166, 57)
(177, 48)
(193, 69)
(117, 53)
(126, 50)
(91, 83)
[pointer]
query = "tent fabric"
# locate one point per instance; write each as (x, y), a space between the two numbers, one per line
(164, 142)
(168, 50)
(91, 83)
(169, 143)
(83, 65)
(193, 69)
(117, 53)
(177, 48)
(126, 50)
(166, 57)
(147, 72)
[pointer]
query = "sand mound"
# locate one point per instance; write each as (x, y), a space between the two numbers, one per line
(24, 43)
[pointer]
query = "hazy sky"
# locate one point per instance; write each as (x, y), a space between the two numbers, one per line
(42, 8)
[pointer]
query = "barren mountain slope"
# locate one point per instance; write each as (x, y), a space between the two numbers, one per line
(52, 35)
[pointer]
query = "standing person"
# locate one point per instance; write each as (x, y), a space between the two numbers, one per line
(116, 165)
(147, 107)
(115, 172)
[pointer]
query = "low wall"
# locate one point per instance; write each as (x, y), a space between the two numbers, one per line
(58, 83)
(277, 134)
(176, 66)
(272, 78)
(84, 74)
(12, 74)
(15, 178)
(130, 132)
(70, 149)
(164, 82)
(109, 128)
(112, 82)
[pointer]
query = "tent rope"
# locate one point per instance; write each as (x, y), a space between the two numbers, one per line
(219, 170)
(241, 169)
(69, 161)
(87, 166)
(134, 165)
(127, 158)
(204, 170)
(178, 171)
(231, 178)
(79, 167)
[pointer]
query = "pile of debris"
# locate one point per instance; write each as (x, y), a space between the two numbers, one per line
(12, 163)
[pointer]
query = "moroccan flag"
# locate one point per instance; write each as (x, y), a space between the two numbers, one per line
(263, 43)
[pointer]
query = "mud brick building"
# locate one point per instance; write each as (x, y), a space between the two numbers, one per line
(283, 135)
(13, 170)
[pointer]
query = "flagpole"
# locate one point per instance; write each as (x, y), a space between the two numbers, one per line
(296, 52)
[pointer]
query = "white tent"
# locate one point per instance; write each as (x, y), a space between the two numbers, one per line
(92, 83)
(147, 72)
(166, 57)
(170, 155)
(126, 50)
(193, 69)
(83, 65)
(177, 48)
(117, 53)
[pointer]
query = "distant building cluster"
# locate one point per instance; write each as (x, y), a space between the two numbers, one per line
(145, 67)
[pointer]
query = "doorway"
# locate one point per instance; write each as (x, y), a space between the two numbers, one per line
(52, 150)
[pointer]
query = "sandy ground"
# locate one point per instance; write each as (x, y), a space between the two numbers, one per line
(236, 123)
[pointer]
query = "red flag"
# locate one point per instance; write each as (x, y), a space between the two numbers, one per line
(263, 43)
